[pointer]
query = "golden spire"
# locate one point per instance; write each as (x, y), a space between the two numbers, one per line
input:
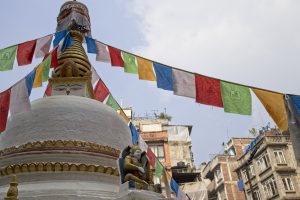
(12, 193)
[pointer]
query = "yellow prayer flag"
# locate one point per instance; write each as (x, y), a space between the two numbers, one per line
(38, 76)
(145, 69)
(122, 113)
(274, 104)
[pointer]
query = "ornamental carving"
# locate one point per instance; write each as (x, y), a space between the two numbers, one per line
(62, 145)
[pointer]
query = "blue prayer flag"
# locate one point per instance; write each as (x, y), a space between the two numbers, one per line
(164, 76)
(29, 81)
(91, 45)
(296, 101)
(58, 37)
(134, 134)
(67, 42)
(240, 185)
(174, 186)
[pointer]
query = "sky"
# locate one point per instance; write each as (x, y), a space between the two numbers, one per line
(252, 42)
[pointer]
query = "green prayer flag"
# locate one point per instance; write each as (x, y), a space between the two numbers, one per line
(112, 103)
(7, 58)
(236, 98)
(158, 168)
(130, 65)
(46, 68)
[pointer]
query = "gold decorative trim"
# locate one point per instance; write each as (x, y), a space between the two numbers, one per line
(56, 167)
(62, 145)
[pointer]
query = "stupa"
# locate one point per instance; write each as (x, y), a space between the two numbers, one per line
(67, 145)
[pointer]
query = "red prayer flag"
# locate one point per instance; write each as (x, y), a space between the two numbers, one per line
(115, 57)
(151, 157)
(48, 90)
(4, 107)
(208, 91)
(25, 52)
(100, 91)
(54, 60)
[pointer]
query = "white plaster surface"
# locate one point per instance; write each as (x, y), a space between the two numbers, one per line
(67, 118)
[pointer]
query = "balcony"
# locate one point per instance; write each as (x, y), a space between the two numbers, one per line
(277, 140)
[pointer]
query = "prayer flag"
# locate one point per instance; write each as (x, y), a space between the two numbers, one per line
(158, 168)
(151, 157)
(142, 144)
(7, 58)
(46, 68)
(67, 43)
(145, 69)
(43, 46)
(115, 57)
(274, 104)
(184, 83)
(112, 102)
(91, 45)
(95, 76)
(38, 76)
(25, 52)
(174, 186)
(58, 37)
(134, 134)
(4, 107)
(100, 91)
(19, 98)
(123, 115)
(236, 98)
(164, 76)
(181, 195)
(292, 104)
(48, 90)
(29, 81)
(102, 52)
(208, 91)
(129, 63)
(54, 60)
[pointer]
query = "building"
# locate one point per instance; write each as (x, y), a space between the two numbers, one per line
(67, 146)
(220, 171)
(269, 169)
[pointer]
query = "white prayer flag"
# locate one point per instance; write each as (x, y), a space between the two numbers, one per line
(95, 76)
(142, 144)
(43, 46)
(184, 83)
(102, 52)
(19, 98)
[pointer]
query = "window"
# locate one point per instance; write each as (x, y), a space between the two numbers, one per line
(288, 184)
(270, 187)
(244, 172)
(279, 156)
(159, 152)
(263, 161)
(256, 195)
(218, 175)
(251, 172)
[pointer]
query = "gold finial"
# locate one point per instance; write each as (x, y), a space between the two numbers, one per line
(12, 193)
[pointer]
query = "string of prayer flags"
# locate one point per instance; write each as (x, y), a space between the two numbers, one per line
(38, 76)
(25, 52)
(274, 104)
(164, 76)
(174, 186)
(236, 98)
(184, 83)
(130, 65)
(158, 168)
(151, 157)
(19, 98)
(292, 103)
(46, 68)
(102, 52)
(91, 45)
(115, 57)
(101, 91)
(7, 58)
(145, 69)
(134, 134)
(112, 102)
(29, 81)
(4, 108)
(208, 91)
(43, 46)
(58, 37)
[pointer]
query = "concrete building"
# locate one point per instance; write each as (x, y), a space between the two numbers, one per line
(220, 171)
(269, 169)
